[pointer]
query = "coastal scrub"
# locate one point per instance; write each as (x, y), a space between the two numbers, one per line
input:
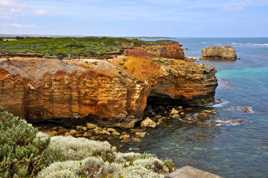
(25, 152)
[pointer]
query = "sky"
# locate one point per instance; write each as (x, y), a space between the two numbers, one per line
(165, 18)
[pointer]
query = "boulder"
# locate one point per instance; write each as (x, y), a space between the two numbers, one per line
(148, 123)
(190, 172)
(219, 52)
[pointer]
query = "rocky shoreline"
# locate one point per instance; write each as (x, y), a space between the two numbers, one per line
(155, 116)
(120, 98)
(40, 155)
(113, 91)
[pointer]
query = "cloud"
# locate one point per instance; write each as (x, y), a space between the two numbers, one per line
(40, 12)
(18, 7)
(135, 16)
(20, 26)
(237, 6)
(8, 7)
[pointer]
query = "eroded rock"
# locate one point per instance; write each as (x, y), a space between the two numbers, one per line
(40, 89)
(166, 49)
(181, 80)
(219, 52)
(114, 92)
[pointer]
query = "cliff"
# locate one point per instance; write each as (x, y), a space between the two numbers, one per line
(113, 91)
(178, 79)
(165, 49)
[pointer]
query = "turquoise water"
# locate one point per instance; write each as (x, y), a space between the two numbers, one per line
(230, 151)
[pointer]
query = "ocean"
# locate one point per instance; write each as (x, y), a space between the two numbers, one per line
(231, 151)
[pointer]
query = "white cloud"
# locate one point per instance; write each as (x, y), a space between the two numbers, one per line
(17, 7)
(40, 12)
(8, 7)
(237, 6)
(20, 26)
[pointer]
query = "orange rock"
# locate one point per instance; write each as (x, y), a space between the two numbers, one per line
(219, 52)
(165, 49)
(114, 91)
(178, 79)
(46, 88)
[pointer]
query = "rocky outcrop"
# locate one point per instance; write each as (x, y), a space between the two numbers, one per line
(190, 172)
(219, 52)
(182, 80)
(165, 49)
(114, 91)
(39, 89)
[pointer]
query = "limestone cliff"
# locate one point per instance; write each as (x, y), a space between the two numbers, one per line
(115, 91)
(45, 88)
(183, 80)
(166, 49)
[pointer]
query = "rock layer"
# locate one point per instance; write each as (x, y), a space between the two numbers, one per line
(165, 49)
(114, 91)
(44, 88)
(219, 52)
(183, 80)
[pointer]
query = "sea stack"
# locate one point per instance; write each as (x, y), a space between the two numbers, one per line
(219, 53)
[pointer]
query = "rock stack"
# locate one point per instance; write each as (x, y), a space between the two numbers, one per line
(219, 52)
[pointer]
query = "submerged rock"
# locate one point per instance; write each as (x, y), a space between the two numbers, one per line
(248, 109)
(244, 109)
(219, 52)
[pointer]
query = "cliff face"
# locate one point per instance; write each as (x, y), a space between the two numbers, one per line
(167, 49)
(219, 52)
(114, 91)
(184, 80)
(43, 89)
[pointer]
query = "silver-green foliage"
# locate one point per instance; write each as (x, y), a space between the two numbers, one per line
(21, 153)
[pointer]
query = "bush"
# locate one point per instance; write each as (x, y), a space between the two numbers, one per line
(21, 153)
(25, 152)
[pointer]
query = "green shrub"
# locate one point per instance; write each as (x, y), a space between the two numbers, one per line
(99, 47)
(21, 153)
(25, 152)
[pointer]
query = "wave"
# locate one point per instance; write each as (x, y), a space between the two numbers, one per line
(221, 104)
(253, 45)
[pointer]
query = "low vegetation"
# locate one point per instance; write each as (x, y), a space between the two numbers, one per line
(25, 152)
(68, 47)
(21, 153)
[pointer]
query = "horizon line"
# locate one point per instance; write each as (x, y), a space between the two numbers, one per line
(123, 36)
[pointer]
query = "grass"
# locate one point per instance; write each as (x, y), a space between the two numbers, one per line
(69, 47)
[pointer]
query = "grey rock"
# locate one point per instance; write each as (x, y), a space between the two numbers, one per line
(190, 172)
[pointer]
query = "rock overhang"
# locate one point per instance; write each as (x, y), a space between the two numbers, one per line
(112, 91)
